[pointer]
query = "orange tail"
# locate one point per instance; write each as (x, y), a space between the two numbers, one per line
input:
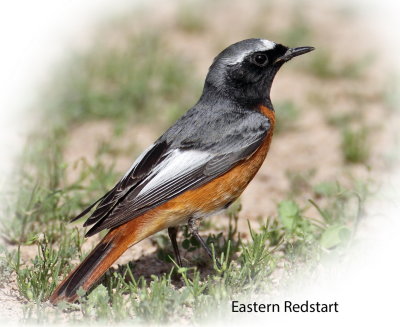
(90, 270)
(111, 247)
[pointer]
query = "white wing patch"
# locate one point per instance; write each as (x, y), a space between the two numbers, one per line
(178, 164)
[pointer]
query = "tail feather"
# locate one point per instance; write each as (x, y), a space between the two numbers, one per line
(110, 248)
(90, 270)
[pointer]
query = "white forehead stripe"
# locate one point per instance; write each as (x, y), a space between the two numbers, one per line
(268, 44)
(262, 45)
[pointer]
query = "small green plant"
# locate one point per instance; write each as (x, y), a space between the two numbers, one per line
(6, 267)
(292, 218)
(355, 145)
(96, 304)
(341, 213)
(256, 257)
(37, 281)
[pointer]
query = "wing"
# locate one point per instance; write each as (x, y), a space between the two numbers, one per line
(164, 172)
(138, 171)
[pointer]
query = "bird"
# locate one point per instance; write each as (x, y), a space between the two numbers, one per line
(198, 167)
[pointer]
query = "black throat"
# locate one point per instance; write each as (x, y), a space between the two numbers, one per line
(245, 97)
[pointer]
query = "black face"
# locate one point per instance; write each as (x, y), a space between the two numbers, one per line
(244, 71)
(256, 68)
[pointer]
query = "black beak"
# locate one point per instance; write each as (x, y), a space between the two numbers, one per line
(293, 52)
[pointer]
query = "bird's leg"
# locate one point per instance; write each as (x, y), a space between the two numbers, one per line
(193, 224)
(172, 232)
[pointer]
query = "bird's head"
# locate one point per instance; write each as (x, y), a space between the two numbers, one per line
(244, 71)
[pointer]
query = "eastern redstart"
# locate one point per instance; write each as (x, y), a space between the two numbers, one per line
(198, 167)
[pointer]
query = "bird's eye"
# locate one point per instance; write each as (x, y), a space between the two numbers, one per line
(260, 59)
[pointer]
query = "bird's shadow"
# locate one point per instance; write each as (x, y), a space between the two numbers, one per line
(150, 265)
